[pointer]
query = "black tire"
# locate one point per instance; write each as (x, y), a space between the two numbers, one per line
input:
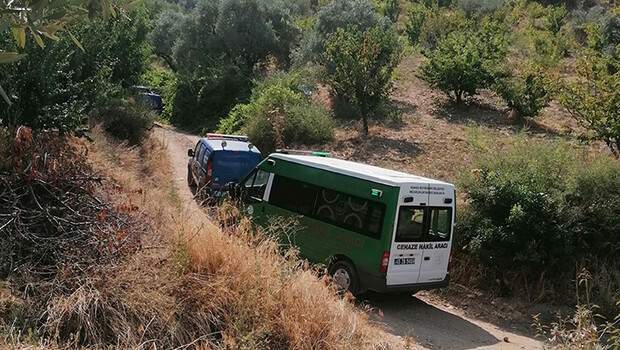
(345, 276)
(190, 179)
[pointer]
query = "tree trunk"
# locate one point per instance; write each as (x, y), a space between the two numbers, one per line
(614, 147)
(459, 96)
(364, 112)
(364, 124)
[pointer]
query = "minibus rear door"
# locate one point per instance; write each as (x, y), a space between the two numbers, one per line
(406, 251)
(436, 255)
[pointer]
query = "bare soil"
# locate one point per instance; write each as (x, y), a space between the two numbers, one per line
(431, 137)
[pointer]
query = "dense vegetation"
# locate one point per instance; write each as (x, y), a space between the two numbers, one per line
(537, 208)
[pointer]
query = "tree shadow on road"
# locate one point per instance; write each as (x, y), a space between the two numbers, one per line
(431, 327)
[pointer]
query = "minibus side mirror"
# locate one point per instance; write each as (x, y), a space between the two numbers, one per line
(190, 152)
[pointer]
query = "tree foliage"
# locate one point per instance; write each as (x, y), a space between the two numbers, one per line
(416, 16)
(337, 14)
(526, 91)
(465, 61)
(217, 49)
(360, 65)
(52, 87)
(594, 99)
(388, 8)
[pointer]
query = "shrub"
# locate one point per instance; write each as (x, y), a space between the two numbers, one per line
(533, 212)
(473, 8)
(556, 18)
(55, 85)
(125, 120)
(439, 24)
(526, 92)
(277, 116)
(388, 8)
(594, 99)
(359, 67)
(166, 82)
(416, 16)
(464, 62)
(546, 49)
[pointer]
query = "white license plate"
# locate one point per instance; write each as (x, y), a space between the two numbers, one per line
(404, 261)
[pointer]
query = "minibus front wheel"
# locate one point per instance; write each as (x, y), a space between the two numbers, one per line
(345, 276)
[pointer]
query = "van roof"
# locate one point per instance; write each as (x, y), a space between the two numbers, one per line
(359, 170)
(231, 145)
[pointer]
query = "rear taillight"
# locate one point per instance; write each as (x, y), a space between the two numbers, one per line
(209, 169)
(385, 261)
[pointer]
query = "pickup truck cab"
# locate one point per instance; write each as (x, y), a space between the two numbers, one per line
(218, 160)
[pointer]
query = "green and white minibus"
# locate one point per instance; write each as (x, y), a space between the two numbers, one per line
(376, 229)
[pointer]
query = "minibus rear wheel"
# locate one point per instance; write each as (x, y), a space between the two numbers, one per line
(345, 276)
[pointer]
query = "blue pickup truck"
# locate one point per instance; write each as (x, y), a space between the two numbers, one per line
(218, 160)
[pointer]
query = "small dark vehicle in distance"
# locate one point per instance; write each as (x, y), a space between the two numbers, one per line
(149, 97)
(218, 161)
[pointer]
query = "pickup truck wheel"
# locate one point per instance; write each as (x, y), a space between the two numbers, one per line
(345, 276)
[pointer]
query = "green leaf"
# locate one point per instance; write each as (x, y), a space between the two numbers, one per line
(75, 41)
(37, 38)
(20, 36)
(8, 57)
(4, 96)
(133, 5)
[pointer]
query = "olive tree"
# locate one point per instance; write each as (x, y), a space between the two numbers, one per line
(337, 14)
(359, 66)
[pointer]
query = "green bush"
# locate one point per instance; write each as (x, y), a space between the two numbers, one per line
(556, 18)
(464, 62)
(125, 120)
(474, 8)
(540, 209)
(388, 8)
(166, 82)
(439, 24)
(52, 87)
(526, 92)
(416, 16)
(359, 67)
(593, 99)
(278, 116)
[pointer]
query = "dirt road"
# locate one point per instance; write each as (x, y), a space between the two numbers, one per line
(431, 324)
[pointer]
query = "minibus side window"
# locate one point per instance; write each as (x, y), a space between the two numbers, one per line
(292, 195)
(440, 224)
(410, 224)
(349, 212)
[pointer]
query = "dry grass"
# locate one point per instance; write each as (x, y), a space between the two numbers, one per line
(190, 285)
